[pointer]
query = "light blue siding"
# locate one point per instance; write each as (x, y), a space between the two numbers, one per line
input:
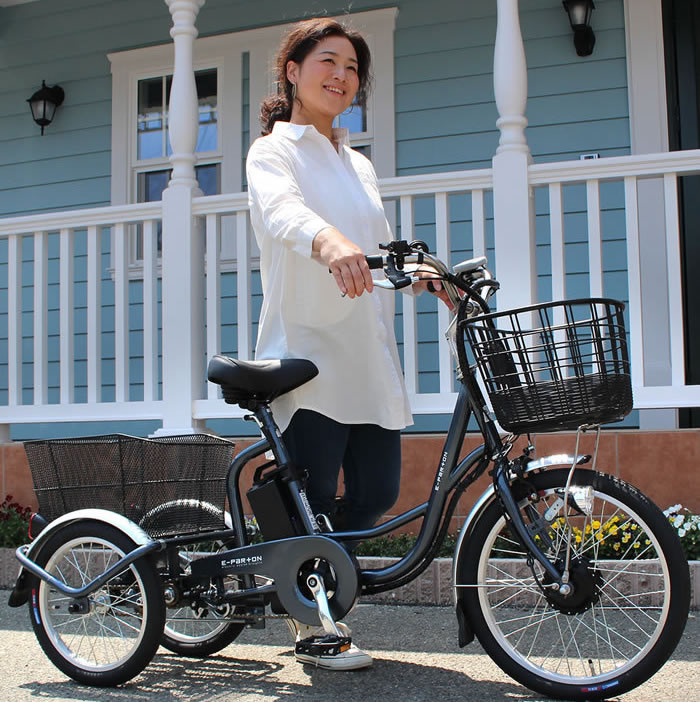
(445, 120)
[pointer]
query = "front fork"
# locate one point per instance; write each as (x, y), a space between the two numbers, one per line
(501, 475)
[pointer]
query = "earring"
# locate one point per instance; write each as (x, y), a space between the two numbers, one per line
(294, 92)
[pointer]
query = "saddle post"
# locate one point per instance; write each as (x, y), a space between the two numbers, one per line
(264, 419)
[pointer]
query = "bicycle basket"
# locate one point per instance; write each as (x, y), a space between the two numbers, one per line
(554, 366)
(169, 485)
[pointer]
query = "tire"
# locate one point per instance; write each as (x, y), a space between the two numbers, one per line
(193, 629)
(624, 619)
(118, 635)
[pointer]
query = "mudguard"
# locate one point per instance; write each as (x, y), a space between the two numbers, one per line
(560, 459)
(20, 595)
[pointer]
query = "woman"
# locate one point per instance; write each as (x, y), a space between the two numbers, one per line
(315, 207)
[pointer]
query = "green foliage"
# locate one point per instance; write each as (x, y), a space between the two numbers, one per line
(14, 523)
(395, 546)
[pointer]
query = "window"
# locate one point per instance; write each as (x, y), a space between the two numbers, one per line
(233, 75)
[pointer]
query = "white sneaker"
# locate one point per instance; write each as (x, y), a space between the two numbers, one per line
(300, 631)
(351, 659)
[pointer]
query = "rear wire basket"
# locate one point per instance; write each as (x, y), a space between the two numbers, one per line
(168, 485)
(554, 366)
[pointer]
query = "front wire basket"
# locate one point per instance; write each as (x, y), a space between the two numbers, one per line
(554, 366)
(168, 485)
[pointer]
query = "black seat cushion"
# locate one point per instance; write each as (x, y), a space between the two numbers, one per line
(258, 380)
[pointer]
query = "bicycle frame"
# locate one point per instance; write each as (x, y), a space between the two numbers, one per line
(449, 476)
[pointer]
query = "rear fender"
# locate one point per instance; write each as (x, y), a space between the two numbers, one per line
(20, 592)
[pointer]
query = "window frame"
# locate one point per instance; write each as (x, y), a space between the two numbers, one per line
(223, 52)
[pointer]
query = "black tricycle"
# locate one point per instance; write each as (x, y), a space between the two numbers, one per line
(572, 580)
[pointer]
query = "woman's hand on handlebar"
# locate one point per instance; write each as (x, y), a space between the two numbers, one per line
(430, 281)
(345, 260)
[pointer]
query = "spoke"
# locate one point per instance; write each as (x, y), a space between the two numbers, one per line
(534, 637)
(609, 629)
(58, 625)
(545, 616)
(635, 608)
(575, 642)
(119, 622)
(602, 568)
(620, 572)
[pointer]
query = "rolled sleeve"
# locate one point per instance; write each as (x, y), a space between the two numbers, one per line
(275, 197)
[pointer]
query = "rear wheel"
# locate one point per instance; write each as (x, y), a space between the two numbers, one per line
(111, 635)
(193, 627)
(630, 583)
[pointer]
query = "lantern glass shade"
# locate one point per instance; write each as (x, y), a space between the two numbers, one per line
(579, 12)
(44, 103)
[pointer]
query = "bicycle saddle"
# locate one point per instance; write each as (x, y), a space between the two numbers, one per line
(261, 381)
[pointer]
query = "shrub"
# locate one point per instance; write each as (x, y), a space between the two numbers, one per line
(14, 523)
(616, 538)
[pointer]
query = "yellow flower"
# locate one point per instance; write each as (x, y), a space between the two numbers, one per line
(578, 538)
(616, 547)
(588, 528)
(613, 530)
(635, 544)
(596, 524)
(599, 536)
(634, 526)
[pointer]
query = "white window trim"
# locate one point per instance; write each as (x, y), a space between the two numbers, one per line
(223, 52)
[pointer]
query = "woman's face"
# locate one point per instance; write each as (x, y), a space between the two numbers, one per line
(327, 79)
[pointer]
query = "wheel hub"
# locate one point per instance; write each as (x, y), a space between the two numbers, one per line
(585, 585)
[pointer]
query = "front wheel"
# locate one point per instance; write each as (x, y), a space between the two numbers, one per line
(631, 587)
(111, 635)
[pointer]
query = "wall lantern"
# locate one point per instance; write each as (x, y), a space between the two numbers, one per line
(579, 12)
(44, 103)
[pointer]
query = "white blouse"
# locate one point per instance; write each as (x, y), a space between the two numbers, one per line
(299, 184)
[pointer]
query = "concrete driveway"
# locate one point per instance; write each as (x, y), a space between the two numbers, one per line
(415, 651)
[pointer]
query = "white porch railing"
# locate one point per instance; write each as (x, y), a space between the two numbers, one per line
(42, 279)
(68, 276)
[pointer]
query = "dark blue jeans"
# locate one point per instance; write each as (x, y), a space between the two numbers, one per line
(369, 455)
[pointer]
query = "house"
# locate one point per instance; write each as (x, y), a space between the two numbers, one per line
(576, 175)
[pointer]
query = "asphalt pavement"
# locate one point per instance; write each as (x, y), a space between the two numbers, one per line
(414, 648)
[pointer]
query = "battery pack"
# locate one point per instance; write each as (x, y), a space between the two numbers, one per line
(273, 509)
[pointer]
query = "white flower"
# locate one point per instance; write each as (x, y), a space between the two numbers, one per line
(678, 520)
(682, 533)
(673, 510)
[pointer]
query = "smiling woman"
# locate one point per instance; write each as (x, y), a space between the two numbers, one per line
(342, 49)
(315, 200)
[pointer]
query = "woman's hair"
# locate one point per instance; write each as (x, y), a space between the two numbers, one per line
(296, 46)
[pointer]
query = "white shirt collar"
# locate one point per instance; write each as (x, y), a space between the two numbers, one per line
(297, 131)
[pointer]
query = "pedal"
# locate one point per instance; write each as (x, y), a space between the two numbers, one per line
(328, 645)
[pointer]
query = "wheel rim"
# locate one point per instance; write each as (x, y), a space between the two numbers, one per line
(620, 625)
(187, 625)
(107, 634)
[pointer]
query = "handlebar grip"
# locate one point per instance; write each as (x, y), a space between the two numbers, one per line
(375, 262)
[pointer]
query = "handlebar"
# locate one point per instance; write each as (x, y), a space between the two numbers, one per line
(469, 283)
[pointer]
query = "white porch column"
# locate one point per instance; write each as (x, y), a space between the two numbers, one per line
(513, 202)
(646, 86)
(183, 239)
